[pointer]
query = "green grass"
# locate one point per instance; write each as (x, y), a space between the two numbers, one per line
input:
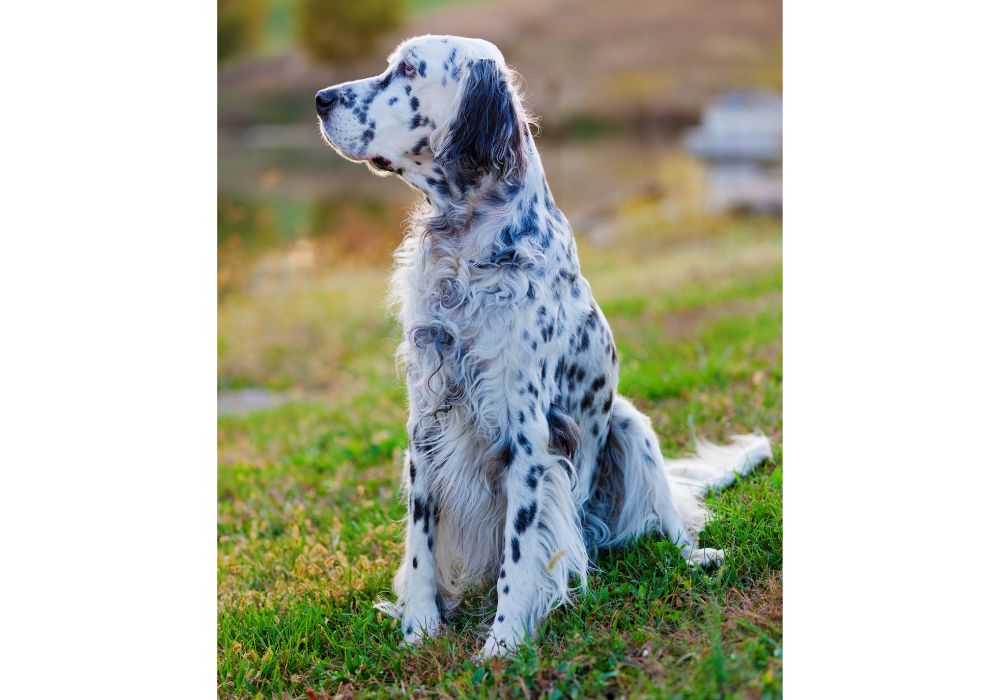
(308, 520)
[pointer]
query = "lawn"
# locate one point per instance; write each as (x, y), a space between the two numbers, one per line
(309, 515)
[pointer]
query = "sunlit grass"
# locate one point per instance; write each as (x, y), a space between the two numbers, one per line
(308, 521)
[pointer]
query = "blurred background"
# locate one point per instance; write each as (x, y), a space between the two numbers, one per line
(661, 140)
(660, 133)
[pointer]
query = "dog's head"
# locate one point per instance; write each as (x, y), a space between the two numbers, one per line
(445, 116)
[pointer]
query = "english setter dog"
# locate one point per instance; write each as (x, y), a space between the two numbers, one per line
(522, 459)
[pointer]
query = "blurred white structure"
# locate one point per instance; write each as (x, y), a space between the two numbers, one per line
(740, 140)
(741, 126)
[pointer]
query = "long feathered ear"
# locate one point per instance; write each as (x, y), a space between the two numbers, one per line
(485, 135)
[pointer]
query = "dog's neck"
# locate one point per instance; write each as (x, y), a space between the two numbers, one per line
(489, 221)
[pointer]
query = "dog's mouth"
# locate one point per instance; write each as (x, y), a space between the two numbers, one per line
(378, 162)
(381, 163)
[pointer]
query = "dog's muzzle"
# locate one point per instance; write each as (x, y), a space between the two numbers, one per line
(325, 101)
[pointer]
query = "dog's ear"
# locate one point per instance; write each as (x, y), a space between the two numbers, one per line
(485, 136)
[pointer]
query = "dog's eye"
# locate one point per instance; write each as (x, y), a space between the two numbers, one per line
(408, 70)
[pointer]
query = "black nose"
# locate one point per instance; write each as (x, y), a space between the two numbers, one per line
(325, 100)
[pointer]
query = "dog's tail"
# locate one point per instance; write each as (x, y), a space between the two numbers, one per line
(716, 466)
(710, 468)
(636, 490)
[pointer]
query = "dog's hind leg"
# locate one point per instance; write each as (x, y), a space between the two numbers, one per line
(637, 491)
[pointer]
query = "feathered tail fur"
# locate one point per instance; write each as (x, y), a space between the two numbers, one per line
(637, 491)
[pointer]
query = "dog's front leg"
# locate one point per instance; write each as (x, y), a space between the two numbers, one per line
(416, 580)
(543, 542)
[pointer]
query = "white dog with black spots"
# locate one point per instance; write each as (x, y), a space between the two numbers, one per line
(522, 458)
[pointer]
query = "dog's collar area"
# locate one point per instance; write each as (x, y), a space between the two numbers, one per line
(505, 257)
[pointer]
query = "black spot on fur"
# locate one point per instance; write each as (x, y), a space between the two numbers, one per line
(507, 453)
(560, 370)
(414, 562)
(571, 377)
(588, 401)
(418, 509)
(607, 404)
(420, 145)
(440, 186)
(515, 549)
(503, 573)
(506, 589)
(534, 472)
(522, 227)
(525, 516)
(414, 104)
(430, 543)
(598, 383)
(523, 442)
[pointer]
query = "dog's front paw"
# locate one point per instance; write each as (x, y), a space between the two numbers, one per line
(705, 558)
(503, 640)
(493, 647)
(420, 623)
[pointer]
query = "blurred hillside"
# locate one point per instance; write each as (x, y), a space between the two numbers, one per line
(629, 62)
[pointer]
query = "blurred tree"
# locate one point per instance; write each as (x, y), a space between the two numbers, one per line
(240, 24)
(335, 30)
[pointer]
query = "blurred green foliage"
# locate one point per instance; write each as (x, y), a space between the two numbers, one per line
(334, 30)
(240, 26)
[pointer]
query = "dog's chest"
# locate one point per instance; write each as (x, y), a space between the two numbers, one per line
(474, 324)
(456, 310)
